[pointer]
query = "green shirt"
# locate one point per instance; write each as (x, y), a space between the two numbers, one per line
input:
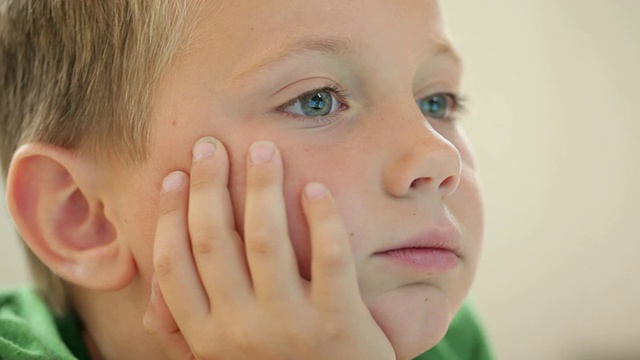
(465, 340)
(29, 331)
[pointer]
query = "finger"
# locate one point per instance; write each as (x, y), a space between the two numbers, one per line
(333, 272)
(217, 247)
(158, 317)
(172, 259)
(269, 251)
(159, 322)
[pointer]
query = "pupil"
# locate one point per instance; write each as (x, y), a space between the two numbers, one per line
(435, 107)
(434, 104)
(317, 102)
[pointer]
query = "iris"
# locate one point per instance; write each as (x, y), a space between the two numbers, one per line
(437, 106)
(317, 103)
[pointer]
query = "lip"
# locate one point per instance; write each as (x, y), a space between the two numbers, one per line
(434, 251)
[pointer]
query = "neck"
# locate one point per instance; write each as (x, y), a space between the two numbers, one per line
(91, 346)
(113, 323)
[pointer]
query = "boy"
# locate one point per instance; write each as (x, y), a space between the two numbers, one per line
(329, 208)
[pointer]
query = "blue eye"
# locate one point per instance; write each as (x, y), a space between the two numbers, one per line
(439, 106)
(316, 103)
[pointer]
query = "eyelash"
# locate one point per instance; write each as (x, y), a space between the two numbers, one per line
(458, 104)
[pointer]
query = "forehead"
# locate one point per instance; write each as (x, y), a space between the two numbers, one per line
(303, 15)
(243, 35)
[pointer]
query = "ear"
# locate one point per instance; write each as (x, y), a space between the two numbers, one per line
(53, 195)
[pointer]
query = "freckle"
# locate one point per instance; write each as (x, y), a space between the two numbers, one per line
(414, 214)
(426, 299)
(351, 234)
(173, 123)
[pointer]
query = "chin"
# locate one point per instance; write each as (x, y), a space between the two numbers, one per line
(414, 318)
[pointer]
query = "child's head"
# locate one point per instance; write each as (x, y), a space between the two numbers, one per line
(359, 96)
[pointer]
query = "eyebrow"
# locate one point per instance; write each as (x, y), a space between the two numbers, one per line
(336, 46)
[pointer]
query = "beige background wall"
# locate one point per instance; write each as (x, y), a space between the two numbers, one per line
(553, 88)
(555, 121)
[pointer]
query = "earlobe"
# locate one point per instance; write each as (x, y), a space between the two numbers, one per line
(55, 201)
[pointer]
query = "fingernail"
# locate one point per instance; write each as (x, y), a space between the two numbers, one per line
(261, 151)
(315, 191)
(204, 147)
(172, 181)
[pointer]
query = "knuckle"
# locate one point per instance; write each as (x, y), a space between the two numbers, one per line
(204, 237)
(169, 205)
(333, 256)
(163, 263)
(328, 222)
(261, 244)
(261, 178)
(202, 182)
(203, 244)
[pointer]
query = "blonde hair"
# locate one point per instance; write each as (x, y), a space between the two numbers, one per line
(80, 74)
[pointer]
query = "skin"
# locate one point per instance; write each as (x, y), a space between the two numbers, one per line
(391, 173)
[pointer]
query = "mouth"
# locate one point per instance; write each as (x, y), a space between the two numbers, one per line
(436, 251)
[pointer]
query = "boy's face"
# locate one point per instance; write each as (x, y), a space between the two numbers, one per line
(396, 174)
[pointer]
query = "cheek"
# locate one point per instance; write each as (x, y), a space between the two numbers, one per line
(466, 204)
(300, 167)
(340, 175)
(136, 214)
(295, 178)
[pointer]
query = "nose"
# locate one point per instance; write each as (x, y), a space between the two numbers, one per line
(421, 159)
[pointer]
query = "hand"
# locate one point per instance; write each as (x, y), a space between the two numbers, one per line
(217, 297)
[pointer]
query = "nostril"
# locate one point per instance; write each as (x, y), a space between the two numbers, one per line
(449, 182)
(420, 181)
